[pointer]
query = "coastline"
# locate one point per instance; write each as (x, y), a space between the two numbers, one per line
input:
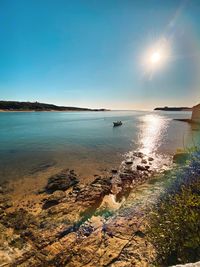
(100, 222)
(53, 110)
(101, 211)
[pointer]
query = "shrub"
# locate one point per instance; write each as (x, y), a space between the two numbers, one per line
(174, 227)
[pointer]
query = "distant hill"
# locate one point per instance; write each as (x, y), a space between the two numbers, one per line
(174, 108)
(36, 106)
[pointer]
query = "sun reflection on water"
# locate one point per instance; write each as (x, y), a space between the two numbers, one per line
(152, 131)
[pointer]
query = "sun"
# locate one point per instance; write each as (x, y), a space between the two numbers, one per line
(155, 57)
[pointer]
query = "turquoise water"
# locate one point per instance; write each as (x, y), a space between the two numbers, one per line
(84, 140)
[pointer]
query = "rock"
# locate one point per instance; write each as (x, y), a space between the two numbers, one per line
(19, 220)
(129, 162)
(138, 154)
(5, 202)
(147, 167)
(53, 199)
(97, 189)
(125, 176)
(144, 161)
(61, 181)
(78, 227)
(91, 196)
(114, 171)
(150, 159)
(8, 204)
(141, 168)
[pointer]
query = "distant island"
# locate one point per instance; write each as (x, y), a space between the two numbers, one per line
(36, 106)
(174, 108)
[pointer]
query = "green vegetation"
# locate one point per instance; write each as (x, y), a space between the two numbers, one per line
(36, 106)
(174, 227)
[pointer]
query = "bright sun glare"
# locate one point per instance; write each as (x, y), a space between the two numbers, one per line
(155, 57)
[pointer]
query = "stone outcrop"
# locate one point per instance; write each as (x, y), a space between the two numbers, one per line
(196, 113)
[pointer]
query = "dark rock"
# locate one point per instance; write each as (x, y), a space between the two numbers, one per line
(144, 161)
(53, 199)
(76, 189)
(141, 168)
(147, 167)
(129, 162)
(5, 202)
(140, 234)
(114, 171)
(61, 181)
(49, 204)
(150, 159)
(8, 204)
(127, 176)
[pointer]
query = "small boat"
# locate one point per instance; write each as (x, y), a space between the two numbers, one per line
(117, 123)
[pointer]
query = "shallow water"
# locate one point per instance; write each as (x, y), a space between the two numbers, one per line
(85, 141)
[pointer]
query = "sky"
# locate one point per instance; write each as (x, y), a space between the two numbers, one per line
(98, 53)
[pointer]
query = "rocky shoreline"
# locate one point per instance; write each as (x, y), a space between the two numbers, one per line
(99, 224)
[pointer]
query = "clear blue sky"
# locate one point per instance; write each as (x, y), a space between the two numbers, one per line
(88, 52)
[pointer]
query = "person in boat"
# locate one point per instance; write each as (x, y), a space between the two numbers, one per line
(117, 123)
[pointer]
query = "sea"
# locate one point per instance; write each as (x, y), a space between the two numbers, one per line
(32, 142)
